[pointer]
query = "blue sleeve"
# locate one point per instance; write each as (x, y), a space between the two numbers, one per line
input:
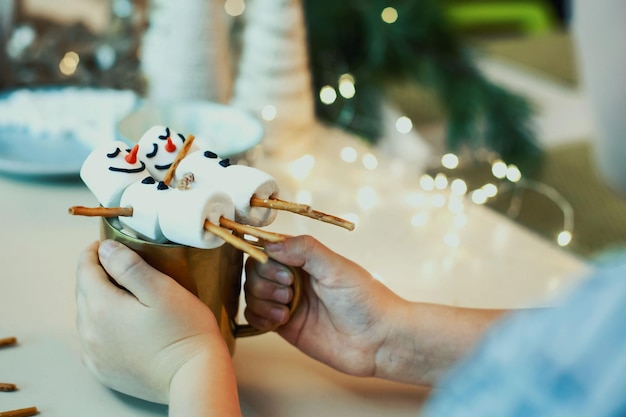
(563, 361)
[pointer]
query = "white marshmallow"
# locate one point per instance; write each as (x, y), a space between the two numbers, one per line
(107, 172)
(158, 148)
(239, 181)
(183, 213)
(145, 197)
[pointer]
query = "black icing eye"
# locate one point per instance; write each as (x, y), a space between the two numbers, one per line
(181, 137)
(148, 180)
(209, 154)
(225, 163)
(162, 186)
(167, 134)
(152, 154)
(114, 153)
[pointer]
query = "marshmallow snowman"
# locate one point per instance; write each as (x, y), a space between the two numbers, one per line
(109, 169)
(145, 197)
(183, 213)
(158, 148)
(239, 181)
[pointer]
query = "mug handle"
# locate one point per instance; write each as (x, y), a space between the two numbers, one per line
(246, 330)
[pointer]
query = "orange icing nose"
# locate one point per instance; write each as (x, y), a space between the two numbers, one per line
(169, 146)
(131, 158)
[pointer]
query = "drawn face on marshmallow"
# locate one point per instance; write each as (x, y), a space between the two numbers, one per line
(158, 148)
(124, 160)
(109, 169)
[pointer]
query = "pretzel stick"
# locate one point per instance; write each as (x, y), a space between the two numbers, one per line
(275, 203)
(169, 175)
(101, 211)
(235, 241)
(327, 218)
(252, 231)
(6, 387)
(8, 341)
(22, 412)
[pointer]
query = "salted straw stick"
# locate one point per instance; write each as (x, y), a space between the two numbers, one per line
(8, 341)
(22, 412)
(100, 211)
(328, 218)
(169, 175)
(252, 231)
(6, 387)
(277, 204)
(214, 229)
(235, 241)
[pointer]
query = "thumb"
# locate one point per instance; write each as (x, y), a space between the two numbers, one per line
(130, 271)
(309, 254)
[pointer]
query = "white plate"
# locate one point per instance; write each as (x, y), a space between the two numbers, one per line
(224, 129)
(50, 131)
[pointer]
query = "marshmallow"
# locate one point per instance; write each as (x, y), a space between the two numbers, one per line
(109, 169)
(145, 197)
(158, 148)
(239, 181)
(183, 213)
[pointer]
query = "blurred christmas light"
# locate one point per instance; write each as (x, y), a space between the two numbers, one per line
(370, 162)
(420, 219)
(498, 169)
(458, 187)
(479, 197)
(69, 63)
(564, 238)
(301, 167)
(450, 161)
(490, 190)
(349, 154)
(452, 240)
(234, 7)
(513, 173)
(389, 15)
(269, 112)
(346, 86)
(404, 124)
(427, 182)
(441, 181)
(328, 95)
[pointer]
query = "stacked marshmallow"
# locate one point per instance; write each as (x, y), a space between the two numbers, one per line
(122, 177)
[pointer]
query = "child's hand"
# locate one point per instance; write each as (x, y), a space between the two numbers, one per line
(136, 341)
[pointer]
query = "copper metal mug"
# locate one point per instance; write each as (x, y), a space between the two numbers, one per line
(213, 275)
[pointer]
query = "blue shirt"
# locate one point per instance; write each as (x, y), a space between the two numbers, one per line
(564, 361)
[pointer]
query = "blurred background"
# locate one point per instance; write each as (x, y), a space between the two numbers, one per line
(423, 58)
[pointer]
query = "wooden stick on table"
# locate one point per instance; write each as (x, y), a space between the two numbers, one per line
(22, 412)
(8, 341)
(6, 387)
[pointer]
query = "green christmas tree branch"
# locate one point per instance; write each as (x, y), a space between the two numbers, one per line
(421, 46)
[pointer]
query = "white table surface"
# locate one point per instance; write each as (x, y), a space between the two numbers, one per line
(484, 261)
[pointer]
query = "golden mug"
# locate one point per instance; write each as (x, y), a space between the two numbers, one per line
(213, 275)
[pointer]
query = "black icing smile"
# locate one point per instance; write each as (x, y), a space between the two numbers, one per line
(162, 167)
(129, 170)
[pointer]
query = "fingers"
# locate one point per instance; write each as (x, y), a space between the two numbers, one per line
(268, 292)
(131, 272)
(90, 276)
